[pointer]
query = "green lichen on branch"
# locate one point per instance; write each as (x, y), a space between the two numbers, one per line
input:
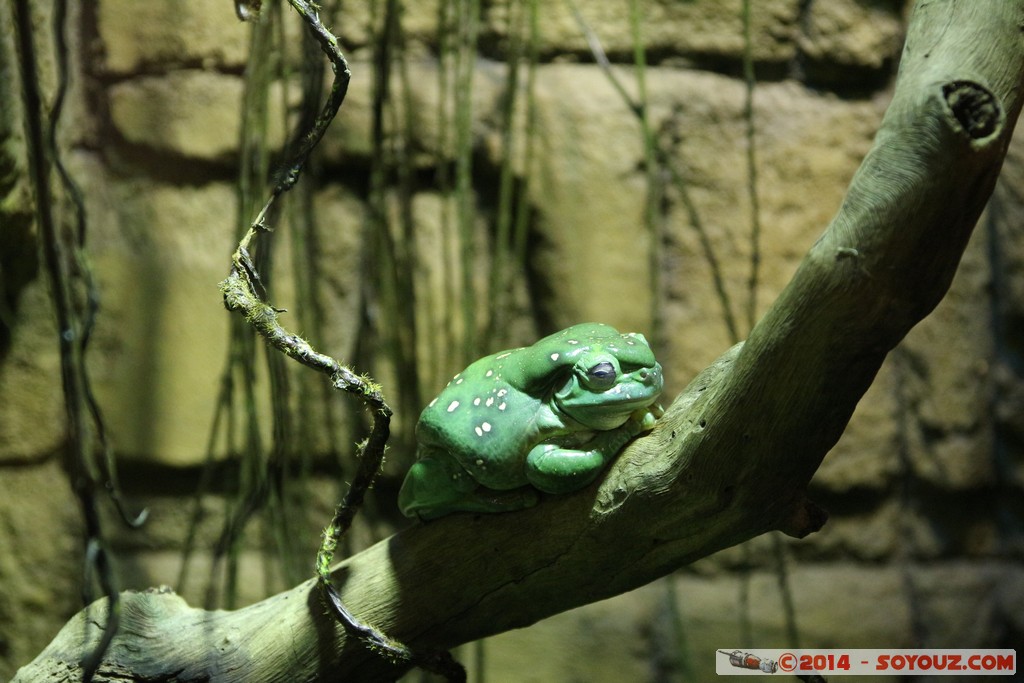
(239, 295)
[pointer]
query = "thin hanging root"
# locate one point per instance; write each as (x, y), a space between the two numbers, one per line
(67, 268)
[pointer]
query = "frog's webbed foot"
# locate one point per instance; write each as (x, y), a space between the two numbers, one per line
(481, 499)
(436, 487)
(647, 417)
(484, 499)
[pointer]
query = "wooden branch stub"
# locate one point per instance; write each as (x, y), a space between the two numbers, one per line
(974, 107)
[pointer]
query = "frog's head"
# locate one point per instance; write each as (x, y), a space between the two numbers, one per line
(609, 381)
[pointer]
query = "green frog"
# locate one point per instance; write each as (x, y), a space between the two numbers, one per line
(541, 418)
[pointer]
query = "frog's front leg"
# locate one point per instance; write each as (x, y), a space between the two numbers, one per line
(555, 468)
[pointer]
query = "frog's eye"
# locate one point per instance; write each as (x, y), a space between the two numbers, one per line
(601, 375)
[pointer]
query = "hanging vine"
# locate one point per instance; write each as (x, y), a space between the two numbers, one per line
(90, 461)
(778, 549)
(244, 291)
(659, 162)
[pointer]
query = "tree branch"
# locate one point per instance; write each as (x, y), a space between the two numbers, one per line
(730, 459)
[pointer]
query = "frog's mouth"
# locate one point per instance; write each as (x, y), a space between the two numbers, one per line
(607, 410)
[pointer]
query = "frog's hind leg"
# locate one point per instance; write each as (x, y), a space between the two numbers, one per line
(559, 469)
(435, 487)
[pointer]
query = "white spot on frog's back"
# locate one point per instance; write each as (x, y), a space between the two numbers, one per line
(489, 373)
(431, 404)
(554, 356)
(452, 406)
(502, 356)
(476, 401)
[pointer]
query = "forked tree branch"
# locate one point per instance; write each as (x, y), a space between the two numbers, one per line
(730, 459)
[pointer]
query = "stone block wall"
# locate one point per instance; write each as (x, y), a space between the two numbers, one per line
(926, 539)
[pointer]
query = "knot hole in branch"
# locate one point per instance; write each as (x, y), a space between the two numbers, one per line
(974, 106)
